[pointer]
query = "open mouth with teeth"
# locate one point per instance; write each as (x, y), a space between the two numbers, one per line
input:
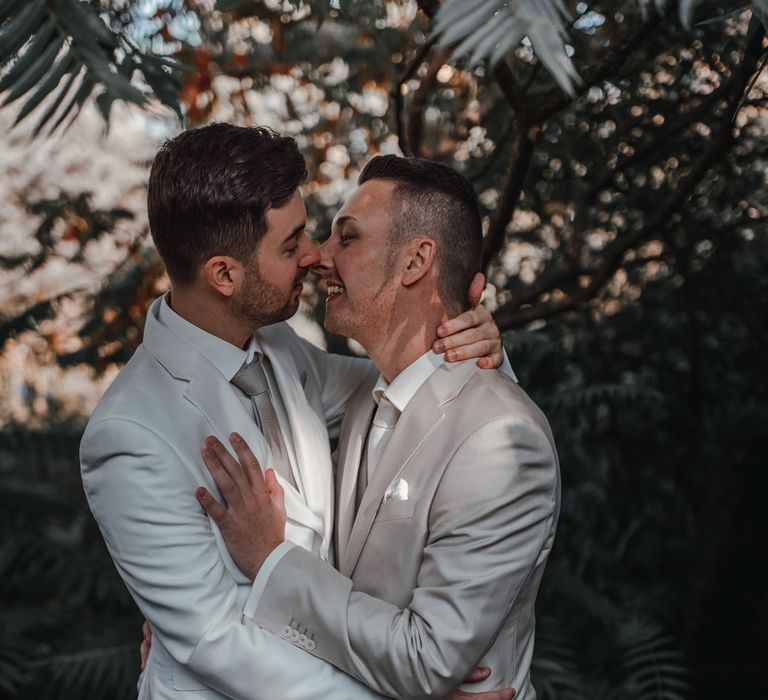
(334, 291)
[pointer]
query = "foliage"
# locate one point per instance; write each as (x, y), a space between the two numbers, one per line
(68, 628)
(625, 248)
(64, 47)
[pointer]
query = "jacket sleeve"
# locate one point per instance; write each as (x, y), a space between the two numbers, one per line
(490, 526)
(142, 495)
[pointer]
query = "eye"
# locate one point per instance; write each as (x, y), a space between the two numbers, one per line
(345, 238)
(290, 251)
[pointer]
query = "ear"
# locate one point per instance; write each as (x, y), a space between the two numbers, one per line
(476, 289)
(223, 274)
(421, 256)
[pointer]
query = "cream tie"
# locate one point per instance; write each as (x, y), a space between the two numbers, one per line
(384, 421)
(251, 379)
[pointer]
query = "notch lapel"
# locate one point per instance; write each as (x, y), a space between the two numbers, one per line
(421, 417)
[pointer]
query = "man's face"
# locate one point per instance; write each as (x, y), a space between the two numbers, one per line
(274, 276)
(356, 262)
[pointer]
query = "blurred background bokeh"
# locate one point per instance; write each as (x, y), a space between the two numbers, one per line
(620, 153)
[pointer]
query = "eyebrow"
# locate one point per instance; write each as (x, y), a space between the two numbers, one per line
(344, 219)
(294, 233)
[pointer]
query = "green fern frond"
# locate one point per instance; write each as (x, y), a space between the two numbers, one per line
(490, 29)
(60, 44)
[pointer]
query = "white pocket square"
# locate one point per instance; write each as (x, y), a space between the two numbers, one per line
(397, 491)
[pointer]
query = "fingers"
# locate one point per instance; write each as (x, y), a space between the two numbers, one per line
(228, 486)
(143, 654)
(211, 506)
(469, 319)
(248, 460)
(275, 490)
(477, 674)
(146, 642)
(476, 289)
(485, 349)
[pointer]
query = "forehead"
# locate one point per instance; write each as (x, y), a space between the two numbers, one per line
(290, 212)
(370, 202)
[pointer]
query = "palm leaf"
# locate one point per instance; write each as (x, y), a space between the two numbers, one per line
(89, 54)
(490, 29)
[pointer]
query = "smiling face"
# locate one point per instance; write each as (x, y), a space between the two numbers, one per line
(274, 276)
(358, 263)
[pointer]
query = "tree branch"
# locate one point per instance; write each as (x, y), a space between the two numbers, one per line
(396, 94)
(511, 187)
(419, 103)
(511, 315)
(607, 66)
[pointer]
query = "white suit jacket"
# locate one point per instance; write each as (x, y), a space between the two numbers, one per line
(141, 463)
(440, 567)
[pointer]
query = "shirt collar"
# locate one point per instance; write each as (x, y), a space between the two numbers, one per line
(224, 356)
(405, 385)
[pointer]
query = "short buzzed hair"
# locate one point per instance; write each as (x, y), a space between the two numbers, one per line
(434, 200)
(210, 190)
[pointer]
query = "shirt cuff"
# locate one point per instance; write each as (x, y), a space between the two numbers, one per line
(506, 367)
(260, 582)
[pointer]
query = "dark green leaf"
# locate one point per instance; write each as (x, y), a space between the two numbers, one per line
(47, 87)
(65, 88)
(35, 48)
(36, 71)
(80, 96)
(19, 30)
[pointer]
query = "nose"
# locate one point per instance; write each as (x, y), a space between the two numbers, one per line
(309, 254)
(324, 265)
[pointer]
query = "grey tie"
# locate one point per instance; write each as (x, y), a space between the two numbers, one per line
(382, 425)
(251, 379)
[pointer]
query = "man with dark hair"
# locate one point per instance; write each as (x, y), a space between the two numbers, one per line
(448, 490)
(229, 222)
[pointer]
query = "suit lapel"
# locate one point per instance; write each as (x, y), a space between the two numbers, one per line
(350, 452)
(214, 397)
(421, 417)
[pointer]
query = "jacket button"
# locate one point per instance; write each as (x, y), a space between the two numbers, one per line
(311, 644)
(286, 631)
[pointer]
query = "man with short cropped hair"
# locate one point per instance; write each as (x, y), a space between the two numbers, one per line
(448, 490)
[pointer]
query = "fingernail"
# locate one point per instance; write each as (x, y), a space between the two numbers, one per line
(235, 437)
(200, 492)
(439, 346)
(206, 453)
(210, 441)
(450, 355)
(441, 330)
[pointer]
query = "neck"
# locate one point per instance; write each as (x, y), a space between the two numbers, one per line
(405, 340)
(210, 313)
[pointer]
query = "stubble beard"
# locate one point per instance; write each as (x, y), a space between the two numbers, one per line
(261, 303)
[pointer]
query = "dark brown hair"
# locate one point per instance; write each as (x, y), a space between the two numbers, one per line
(434, 200)
(210, 190)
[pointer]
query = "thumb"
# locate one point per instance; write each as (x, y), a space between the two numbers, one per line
(275, 491)
(476, 289)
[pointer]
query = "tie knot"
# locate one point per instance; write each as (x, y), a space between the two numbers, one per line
(386, 414)
(250, 378)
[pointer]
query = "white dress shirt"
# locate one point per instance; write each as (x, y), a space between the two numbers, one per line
(228, 359)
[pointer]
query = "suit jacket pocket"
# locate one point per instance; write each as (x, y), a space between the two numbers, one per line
(396, 510)
(184, 680)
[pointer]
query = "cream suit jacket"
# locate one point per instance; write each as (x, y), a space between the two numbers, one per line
(445, 579)
(141, 463)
